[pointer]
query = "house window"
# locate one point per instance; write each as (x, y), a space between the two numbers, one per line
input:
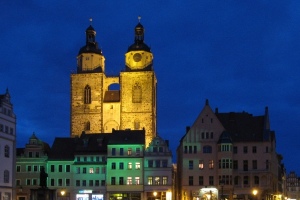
(60, 168)
(52, 168)
(35, 168)
(113, 151)
(129, 152)
(18, 168)
(6, 176)
(121, 180)
(84, 183)
(59, 182)
(200, 180)
(254, 164)
(136, 93)
(235, 164)
(150, 163)
(256, 180)
(6, 151)
(129, 180)
(88, 126)
(235, 150)
(150, 180)
(207, 149)
(30, 154)
(157, 180)
(121, 151)
(191, 163)
(77, 170)
(130, 165)
(138, 151)
(165, 163)
(84, 170)
(211, 180)
(121, 165)
(245, 165)
(91, 183)
(52, 181)
(267, 164)
(18, 182)
(67, 182)
(190, 180)
(246, 180)
(211, 164)
(137, 165)
(68, 168)
(201, 164)
(28, 181)
(137, 180)
(157, 163)
(195, 149)
(97, 170)
(136, 124)
(37, 154)
(87, 94)
(77, 183)
(164, 180)
(254, 149)
(102, 182)
(91, 170)
(245, 149)
(113, 165)
(97, 183)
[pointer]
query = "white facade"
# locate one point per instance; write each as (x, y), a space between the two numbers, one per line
(7, 147)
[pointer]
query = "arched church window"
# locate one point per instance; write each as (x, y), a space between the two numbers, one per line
(136, 93)
(87, 94)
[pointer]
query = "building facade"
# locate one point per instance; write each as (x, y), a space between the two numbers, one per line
(29, 162)
(7, 147)
(96, 107)
(229, 156)
(293, 186)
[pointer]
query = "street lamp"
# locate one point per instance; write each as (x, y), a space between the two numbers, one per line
(254, 192)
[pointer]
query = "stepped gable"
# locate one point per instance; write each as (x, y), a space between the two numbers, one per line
(242, 126)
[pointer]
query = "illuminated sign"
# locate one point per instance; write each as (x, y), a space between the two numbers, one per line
(85, 191)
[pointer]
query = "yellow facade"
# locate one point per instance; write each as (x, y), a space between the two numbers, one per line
(97, 109)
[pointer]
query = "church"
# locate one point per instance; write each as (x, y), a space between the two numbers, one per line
(96, 108)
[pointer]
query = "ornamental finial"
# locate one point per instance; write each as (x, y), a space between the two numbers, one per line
(91, 20)
(139, 18)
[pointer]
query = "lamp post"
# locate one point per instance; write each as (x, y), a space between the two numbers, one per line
(254, 192)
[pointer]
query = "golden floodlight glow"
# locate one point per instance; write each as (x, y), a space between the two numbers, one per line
(62, 192)
(254, 192)
(155, 193)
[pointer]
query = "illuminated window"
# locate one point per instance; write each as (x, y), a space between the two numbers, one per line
(129, 152)
(157, 180)
(137, 180)
(150, 180)
(87, 94)
(137, 165)
(6, 176)
(130, 165)
(129, 180)
(164, 180)
(201, 164)
(211, 164)
(136, 94)
(91, 170)
(6, 151)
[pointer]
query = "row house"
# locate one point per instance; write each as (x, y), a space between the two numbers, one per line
(103, 166)
(229, 156)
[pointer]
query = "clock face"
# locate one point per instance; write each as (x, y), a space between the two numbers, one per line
(137, 57)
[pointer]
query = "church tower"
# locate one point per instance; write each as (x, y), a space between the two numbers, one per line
(97, 109)
(87, 87)
(138, 88)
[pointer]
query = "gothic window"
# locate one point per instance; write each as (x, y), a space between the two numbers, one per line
(87, 94)
(136, 93)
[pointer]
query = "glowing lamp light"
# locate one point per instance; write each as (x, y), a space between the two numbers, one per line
(254, 192)
(62, 192)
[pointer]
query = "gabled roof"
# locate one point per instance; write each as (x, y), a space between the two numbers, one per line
(63, 149)
(127, 137)
(243, 126)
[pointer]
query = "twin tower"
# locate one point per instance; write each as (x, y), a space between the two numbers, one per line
(96, 108)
